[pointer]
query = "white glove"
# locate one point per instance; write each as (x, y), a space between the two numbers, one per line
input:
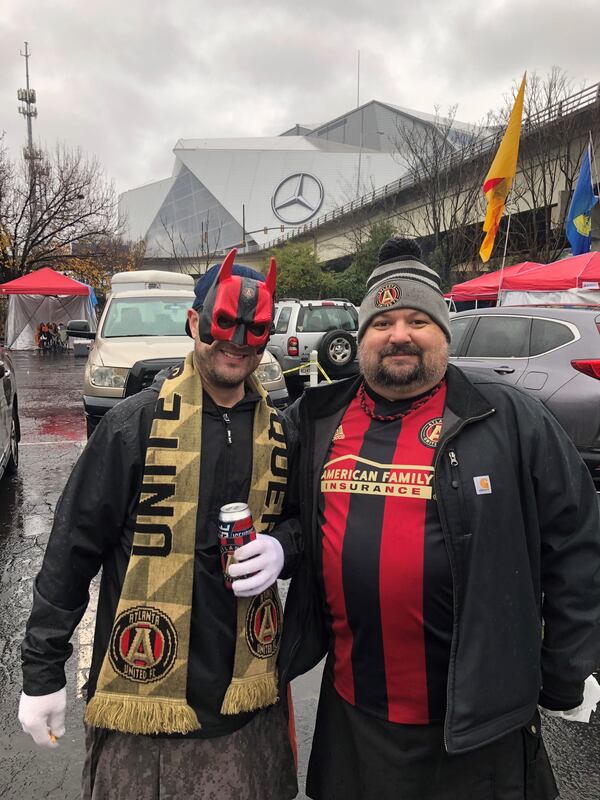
(44, 717)
(263, 558)
(583, 712)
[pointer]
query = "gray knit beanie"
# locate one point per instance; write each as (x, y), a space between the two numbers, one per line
(402, 280)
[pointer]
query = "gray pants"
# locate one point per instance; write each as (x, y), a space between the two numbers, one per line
(253, 763)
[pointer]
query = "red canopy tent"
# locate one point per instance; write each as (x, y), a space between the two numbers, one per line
(485, 287)
(43, 296)
(44, 281)
(577, 272)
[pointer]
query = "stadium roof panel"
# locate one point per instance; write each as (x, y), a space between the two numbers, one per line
(267, 143)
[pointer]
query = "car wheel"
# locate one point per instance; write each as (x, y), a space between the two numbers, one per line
(337, 350)
(13, 459)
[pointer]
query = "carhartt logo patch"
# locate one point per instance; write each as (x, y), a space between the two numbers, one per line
(143, 645)
(263, 625)
(339, 434)
(388, 295)
(483, 484)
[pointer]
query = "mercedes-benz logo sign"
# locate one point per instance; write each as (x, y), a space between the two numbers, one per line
(297, 198)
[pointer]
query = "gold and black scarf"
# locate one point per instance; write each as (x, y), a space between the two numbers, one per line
(142, 684)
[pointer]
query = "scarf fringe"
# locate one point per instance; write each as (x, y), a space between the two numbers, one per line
(142, 716)
(249, 694)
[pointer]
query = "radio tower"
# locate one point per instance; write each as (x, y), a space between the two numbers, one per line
(27, 96)
(28, 109)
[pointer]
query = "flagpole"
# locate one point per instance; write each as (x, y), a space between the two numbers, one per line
(593, 164)
(504, 254)
(501, 174)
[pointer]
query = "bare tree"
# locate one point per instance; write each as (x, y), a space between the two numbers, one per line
(7, 178)
(443, 201)
(56, 201)
(552, 143)
(190, 259)
(364, 210)
(95, 262)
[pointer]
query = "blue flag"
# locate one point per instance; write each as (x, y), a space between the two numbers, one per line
(578, 224)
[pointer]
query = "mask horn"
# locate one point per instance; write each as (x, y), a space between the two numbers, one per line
(272, 276)
(225, 271)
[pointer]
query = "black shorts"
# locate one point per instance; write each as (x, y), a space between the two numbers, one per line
(356, 756)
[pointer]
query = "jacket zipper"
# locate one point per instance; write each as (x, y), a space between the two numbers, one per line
(228, 435)
(453, 464)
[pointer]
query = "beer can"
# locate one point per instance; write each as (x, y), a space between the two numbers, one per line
(236, 528)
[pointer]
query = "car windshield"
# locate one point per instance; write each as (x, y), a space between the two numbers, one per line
(327, 318)
(146, 316)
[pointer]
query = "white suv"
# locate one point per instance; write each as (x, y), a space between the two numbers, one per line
(328, 326)
(142, 331)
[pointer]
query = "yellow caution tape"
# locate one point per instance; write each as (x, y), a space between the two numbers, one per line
(308, 363)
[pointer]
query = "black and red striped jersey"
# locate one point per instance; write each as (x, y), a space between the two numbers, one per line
(385, 569)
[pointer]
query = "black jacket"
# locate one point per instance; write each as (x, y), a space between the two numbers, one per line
(93, 528)
(527, 552)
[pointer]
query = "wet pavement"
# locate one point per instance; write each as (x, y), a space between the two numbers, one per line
(53, 435)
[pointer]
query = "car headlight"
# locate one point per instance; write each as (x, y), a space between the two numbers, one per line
(112, 377)
(269, 372)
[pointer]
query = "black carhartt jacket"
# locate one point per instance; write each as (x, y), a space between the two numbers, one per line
(525, 559)
(93, 529)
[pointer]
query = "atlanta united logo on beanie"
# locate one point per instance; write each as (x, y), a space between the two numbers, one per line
(402, 280)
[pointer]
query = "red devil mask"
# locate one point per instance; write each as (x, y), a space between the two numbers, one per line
(238, 309)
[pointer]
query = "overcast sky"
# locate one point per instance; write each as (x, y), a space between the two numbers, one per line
(124, 79)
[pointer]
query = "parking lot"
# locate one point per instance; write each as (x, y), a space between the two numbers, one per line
(53, 435)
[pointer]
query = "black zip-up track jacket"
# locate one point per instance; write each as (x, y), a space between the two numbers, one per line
(525, 559)
(93, 528)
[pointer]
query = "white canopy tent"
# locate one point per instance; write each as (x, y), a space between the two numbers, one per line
(43, 296)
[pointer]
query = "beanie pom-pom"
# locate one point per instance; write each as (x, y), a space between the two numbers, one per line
(398, 248)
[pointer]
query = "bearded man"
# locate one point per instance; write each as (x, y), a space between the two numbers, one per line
(182, 699)
(451, 567)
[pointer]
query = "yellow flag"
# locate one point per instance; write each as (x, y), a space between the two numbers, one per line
(498, 181)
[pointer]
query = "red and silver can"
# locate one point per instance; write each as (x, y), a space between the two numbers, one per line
(236, 528)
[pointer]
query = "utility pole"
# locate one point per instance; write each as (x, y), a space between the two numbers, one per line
(361, 127)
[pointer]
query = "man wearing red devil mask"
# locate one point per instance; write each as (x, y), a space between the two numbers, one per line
(230, 321)
(182, 693)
